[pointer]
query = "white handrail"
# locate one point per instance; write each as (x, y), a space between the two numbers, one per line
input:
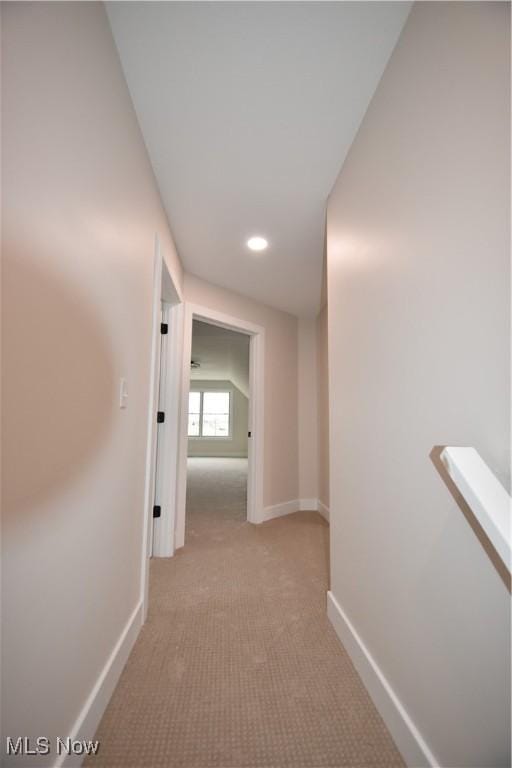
(484, 494)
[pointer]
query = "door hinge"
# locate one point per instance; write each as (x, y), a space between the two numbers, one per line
(160, 417)
(249, 434)
(157, 510)
(164, 328)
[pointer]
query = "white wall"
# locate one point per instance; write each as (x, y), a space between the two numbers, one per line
(419, 355)
(307, 416)
(80, 212)
(280, 474)
(236, 444)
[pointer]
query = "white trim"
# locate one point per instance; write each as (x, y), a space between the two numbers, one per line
(223, 455)
(154, 375)
(213, 317)
(295, 505)
(163, 527)
(308, 505)
(484, 494)
(181, 490)
(256, 412)
(164, 385)
(279, 510)
(162, 433)
(407, 737)
(323, 510)
(92, 711)
(255, 450)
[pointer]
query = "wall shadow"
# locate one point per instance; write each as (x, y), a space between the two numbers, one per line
(58, 384)
(499, 565)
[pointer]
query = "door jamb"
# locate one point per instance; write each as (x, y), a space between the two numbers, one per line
(164, 527)
(164, 289)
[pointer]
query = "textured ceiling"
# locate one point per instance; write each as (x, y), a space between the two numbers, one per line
(248, 110)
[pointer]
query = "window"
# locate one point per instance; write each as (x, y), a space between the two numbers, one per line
(194, 413)
(209, 414)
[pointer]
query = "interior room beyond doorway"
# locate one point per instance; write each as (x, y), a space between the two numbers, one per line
(218, 417)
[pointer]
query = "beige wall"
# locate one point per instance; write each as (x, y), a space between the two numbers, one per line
(80, 212)
(281, 404)
(419, 355)
(236, 445)
(308, 422)
(322, 407)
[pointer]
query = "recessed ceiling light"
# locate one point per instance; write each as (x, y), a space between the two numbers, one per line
(257, 243)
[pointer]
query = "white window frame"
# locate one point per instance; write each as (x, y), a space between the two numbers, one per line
(202, 391)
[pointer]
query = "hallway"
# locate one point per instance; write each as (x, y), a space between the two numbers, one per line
(237, 664)
(268, 229)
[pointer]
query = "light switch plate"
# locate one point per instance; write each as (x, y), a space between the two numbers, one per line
(123, 394)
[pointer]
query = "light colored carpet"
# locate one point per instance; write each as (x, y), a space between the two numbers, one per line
(238, 666)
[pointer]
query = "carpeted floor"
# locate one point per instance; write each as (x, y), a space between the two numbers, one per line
(238, 666)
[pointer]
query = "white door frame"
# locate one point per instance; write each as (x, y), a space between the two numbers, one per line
(168, 432)
(256, 412)
(165, 293)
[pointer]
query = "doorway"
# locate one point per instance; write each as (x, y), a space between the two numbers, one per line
(216, 391)
(218, 427)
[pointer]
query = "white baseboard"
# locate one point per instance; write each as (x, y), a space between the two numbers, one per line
(296, 505)
(324, 511)
(278, 510)
(308, 505)
(220, 455)
(92, 711)
(315, 505)
(408, 739)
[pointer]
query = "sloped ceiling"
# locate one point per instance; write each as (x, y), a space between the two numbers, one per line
(223, 355)
(248, 110)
